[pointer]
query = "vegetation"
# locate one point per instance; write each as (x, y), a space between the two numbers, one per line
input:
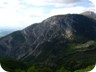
(15, 66)
(73, 57)
(46, 69)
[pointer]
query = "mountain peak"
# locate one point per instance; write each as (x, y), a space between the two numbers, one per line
(90, 14)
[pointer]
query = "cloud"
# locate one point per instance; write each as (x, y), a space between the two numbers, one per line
(94, 2)
(70, 10)
(21, 13)
(76, 7)
(66, 1)
(33, 11)
(13, 14)
(54, 2)
(93, 6)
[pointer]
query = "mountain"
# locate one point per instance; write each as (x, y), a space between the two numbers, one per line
(89, 14)
(61, 40)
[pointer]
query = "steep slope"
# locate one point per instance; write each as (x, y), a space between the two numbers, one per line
(66, 27)
(55, 41)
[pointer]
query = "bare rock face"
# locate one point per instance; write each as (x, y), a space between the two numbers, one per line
(58, 29)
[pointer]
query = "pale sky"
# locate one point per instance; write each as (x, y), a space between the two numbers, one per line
(18, 14)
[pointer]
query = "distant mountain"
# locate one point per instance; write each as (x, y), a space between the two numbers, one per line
(89, 14)
(62, 40)
(4, 32)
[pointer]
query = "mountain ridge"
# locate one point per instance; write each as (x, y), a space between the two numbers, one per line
(40, 30)
(53, 42)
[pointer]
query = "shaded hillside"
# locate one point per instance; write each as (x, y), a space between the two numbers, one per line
(62, 40)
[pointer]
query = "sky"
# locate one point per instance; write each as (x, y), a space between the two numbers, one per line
(18, 14)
